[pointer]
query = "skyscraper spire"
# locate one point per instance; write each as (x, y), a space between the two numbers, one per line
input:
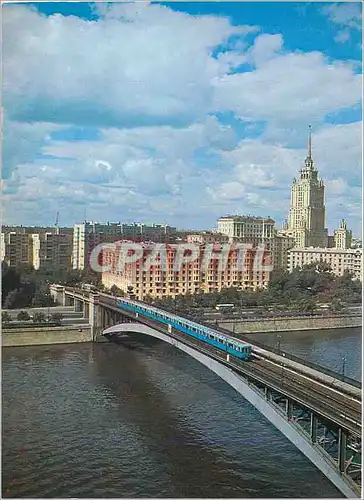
(309, 165)
(309, 142)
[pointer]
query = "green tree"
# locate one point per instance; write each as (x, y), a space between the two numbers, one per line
(5, 317)
(306, 305)
(23, 316)
(336, 305)
(10, 280)
(115, 290)
(11, 299)
(39, 317)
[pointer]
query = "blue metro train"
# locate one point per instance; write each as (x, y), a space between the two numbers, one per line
(225, 343)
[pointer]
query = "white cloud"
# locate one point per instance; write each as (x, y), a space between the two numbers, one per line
(292, 87)
(114, 71)
(22, 141)
(345, 15)
(145, 78)
(265, 48)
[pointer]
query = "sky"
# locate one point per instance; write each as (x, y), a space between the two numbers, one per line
(178, 113)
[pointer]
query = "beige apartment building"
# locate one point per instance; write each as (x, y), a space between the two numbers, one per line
(51, 250)
(282, 243)
(43, 249)
(343, 236)
(16, 248)
(340, 260)
(192, 277)
(248, 229)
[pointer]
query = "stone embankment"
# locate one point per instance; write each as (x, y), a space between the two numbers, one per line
(46, 335)
(288, 324)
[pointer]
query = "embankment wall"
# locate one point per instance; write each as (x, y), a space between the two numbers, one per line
(263, 325)
(44, 336)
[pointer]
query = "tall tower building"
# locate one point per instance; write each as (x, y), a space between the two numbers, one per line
(306, 221)
(343, 236)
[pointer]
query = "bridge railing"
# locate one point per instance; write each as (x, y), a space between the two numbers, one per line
(292, 357)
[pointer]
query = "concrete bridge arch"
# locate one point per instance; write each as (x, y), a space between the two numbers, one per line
(290, 430)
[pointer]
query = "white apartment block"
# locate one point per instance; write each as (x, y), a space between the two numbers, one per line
(340, 260)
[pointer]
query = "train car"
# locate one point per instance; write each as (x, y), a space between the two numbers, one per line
(223, 342)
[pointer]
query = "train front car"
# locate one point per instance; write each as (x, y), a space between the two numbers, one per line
(229, 345)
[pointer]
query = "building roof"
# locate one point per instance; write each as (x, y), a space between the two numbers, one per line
(246, 218)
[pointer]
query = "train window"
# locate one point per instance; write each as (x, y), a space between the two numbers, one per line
(230, 345)
(211, 337)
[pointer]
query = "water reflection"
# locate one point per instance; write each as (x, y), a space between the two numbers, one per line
(107, 421)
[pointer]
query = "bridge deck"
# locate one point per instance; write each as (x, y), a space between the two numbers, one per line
(329, 402)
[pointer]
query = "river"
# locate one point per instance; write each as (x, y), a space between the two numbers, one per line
(103, 420)
(323, 347)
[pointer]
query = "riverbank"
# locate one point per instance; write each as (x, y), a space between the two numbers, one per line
(46, 335)
(289, 324)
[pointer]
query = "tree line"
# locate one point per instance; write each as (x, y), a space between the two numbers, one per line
(300, 290)
(38, 317)
(24, 287)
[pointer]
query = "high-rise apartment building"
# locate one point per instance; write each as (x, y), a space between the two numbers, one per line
(88, 235)
(16, 248)
(159, 233)
(42, 249)
(51, 250)
(306, 221)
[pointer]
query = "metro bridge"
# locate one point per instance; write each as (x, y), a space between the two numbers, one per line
(316, 409)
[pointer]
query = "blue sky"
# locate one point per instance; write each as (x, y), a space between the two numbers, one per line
(178, 112)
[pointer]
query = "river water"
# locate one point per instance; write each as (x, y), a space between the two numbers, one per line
(103, 420)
